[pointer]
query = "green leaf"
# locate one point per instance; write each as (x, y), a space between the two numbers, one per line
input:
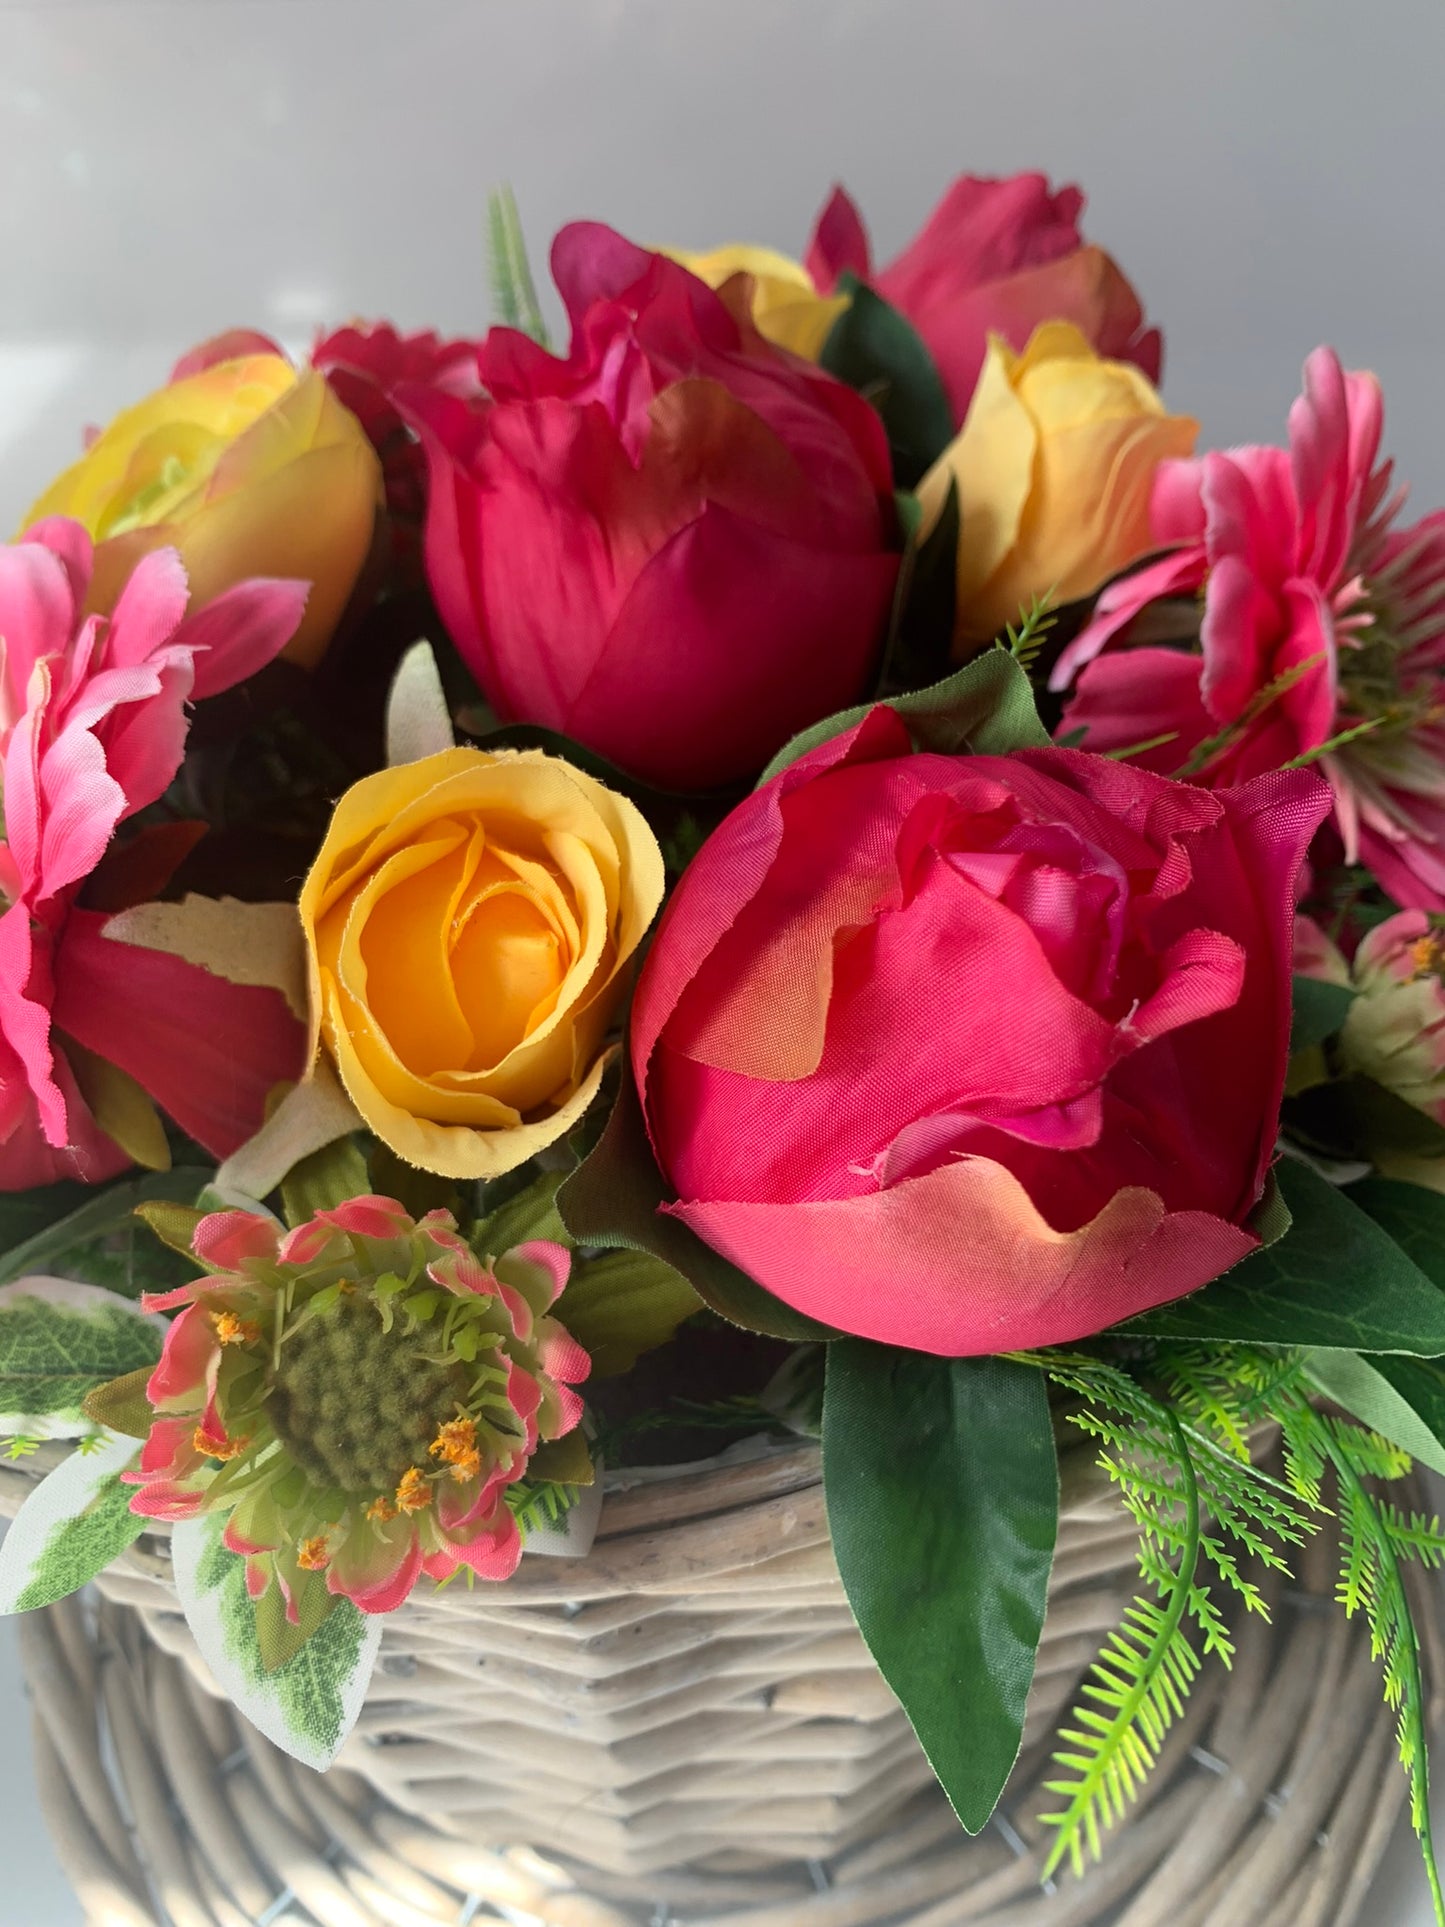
(1412, 1215)
(76, 1238)
(920, 630)
(121, 1404)
(1319, 1011)
(278, 1639)
(1335, 1279)
(612, 1200)
(307, 1704)
(1355, 1115)
(872, 348)
(532, 1213)
(175, 1226)
(1401, 1398)
(942, 1489)
(59, 1341)
(328, 1177)
(70, 1528)
(513, 291)
(987, 708)
(623, 1304)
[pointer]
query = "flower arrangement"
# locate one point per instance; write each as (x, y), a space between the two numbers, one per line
(812, 811)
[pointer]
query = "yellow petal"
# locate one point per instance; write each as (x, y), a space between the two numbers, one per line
(992, 461)
(784, 302)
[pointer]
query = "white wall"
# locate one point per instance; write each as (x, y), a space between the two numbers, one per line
(1271, 173)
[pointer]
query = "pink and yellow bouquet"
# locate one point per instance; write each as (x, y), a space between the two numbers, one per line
(814, 811)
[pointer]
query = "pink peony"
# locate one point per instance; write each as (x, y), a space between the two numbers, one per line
(995, 257)
(92, 729)
(1311, 628)
(358, 1395)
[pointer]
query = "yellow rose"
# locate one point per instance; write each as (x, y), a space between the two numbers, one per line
(469, 921)
(1054, 465)
(248, 468)
(786, 306)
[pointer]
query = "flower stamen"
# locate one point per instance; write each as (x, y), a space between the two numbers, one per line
(314, 1555)
(231, 1329)
(414, 1493)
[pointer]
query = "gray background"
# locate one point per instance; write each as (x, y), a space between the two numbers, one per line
(1270, 173)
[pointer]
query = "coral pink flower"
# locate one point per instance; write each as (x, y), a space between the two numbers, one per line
(92, 729)
(349, 1423)
(995, 257)
(1313, 629)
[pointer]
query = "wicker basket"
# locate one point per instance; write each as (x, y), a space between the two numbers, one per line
(685, 1728)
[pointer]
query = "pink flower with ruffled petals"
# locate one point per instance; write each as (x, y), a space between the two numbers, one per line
(1309, 627)
(994, 257)
(92, 730)
(359, 1395)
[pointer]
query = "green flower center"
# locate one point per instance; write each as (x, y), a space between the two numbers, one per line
(356, 1405)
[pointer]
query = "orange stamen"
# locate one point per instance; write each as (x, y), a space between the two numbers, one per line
(456, 1442)
(233, 1330)
(414, 1492)
(218, 1448)
(381, 1512)
(466, 1465)
(313, 1555)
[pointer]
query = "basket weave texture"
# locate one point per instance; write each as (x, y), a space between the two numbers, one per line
(685, 1730)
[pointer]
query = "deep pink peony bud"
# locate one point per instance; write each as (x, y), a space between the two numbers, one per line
(676, 544)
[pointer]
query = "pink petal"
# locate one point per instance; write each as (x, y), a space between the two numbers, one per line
(895, 1260)
(554, 1259)
(226, 1239)
(1122, 601)
(838, 244)
(371, 1217)
(210, 1052)
(232, 345)
(241, 630)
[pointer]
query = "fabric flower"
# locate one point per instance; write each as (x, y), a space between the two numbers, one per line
(358, 1395)
(1310, 625)
(995, 257)
(246, 467)
(470, 919)
(970, 1054)
(92, 730)
(676, 546)
(786, 308)
(1054, 466)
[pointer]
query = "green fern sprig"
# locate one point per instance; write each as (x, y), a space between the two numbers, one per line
(1024, 642)
(536, 1507)
(514, 293)
(1181, 1459)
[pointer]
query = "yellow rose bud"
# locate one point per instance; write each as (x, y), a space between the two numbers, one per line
(786, 306)
(248, 468)
(1054, 464)
(469, 921)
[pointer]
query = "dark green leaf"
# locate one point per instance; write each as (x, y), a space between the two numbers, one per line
(1319, 1011)
(1335, 1279)
(1354, 1116)
(1401, 1398)
(943, 1495)
(920, 632)
(103, 1214)
(612, 1200)
(986, 708)
(872, 348)
(1412, 1215)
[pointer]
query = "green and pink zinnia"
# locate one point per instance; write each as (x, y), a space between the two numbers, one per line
(357, 1394)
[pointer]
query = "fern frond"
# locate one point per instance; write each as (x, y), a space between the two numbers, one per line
(1335, 742)
(1140, 1680)
(1024, 642)
(536, 1507)
(514, 294)
(1375, 1537)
